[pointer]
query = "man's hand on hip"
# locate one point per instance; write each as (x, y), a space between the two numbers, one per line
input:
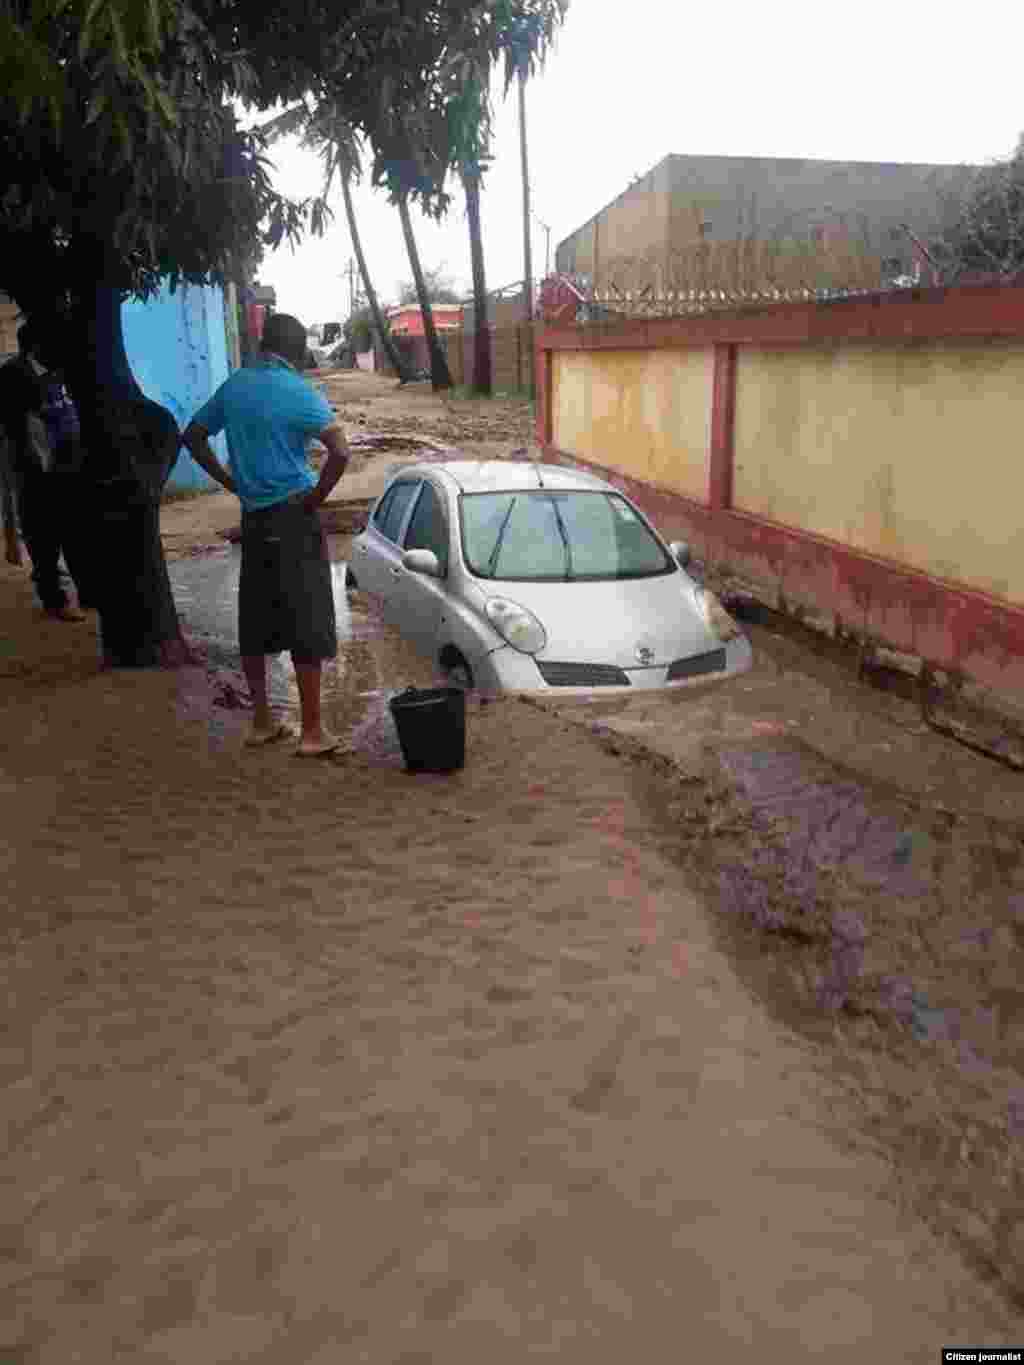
(337, 458)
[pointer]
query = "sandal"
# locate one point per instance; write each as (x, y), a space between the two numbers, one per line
(257, 738)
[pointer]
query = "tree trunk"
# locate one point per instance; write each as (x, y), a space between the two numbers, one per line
(129, 446)
(482, 377)
(527, 253)
(386, 340)
(439, 374)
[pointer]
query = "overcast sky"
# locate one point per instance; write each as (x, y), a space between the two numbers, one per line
(626, 85)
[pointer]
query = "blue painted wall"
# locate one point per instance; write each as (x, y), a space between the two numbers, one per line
(177, 348)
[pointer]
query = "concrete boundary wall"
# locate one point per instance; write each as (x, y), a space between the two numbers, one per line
(857, 463)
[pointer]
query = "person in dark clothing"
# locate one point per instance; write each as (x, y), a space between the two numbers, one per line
(41, 426)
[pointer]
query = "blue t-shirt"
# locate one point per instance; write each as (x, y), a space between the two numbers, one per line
(268, 413)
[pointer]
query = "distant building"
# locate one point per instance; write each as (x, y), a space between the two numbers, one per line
(687, 203)
(407, 320)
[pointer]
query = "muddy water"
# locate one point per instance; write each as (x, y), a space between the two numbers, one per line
(206, 592)
(867, 879)
(371, 666)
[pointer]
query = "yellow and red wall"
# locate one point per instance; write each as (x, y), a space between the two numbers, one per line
(859, 460)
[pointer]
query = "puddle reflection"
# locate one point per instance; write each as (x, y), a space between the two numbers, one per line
(206, 593)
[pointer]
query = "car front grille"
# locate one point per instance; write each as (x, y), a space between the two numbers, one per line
(583, 675)
(696, 664)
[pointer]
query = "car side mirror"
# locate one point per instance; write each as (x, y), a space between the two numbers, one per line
(681, 553)
(422, 561)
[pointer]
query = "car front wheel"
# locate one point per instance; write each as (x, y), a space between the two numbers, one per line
(457, 673)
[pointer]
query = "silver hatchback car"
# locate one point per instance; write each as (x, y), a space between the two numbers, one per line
(531, 577)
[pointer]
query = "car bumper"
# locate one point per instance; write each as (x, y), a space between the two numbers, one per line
(506, 670)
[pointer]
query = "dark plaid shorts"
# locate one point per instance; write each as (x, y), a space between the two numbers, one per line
(285, 597)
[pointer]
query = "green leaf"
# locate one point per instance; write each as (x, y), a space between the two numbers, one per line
(85, 38)
(95, 107)
(151, 11)
(124, 137)
(165, 103)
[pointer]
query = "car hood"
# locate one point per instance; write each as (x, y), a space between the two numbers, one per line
(610, 622)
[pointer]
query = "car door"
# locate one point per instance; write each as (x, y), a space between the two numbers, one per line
(416, 601)
(377, 552)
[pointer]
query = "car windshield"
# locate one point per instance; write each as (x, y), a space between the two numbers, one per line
(541, 534)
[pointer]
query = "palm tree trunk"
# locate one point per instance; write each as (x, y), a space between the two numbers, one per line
(383, 332)
(440, 376)
(527, 254)
(482, 377)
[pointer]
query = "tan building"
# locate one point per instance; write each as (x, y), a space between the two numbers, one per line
(689, 203)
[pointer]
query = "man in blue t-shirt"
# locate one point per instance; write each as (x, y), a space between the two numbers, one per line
(285, 600)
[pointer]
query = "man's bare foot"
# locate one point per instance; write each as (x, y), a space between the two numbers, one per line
(68, 614)
(268, 734)
(317, 745)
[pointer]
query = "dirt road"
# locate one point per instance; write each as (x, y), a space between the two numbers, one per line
(324, 1063)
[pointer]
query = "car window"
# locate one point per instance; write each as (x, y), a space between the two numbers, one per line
(390, 514)
(545, 534)
(381, 510)
(428, 529)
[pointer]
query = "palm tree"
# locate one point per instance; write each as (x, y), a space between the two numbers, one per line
(470, 122)
(440, 375)
(341, 153)
(483, 382)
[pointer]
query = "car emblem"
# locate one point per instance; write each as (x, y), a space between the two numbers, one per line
(645, 654)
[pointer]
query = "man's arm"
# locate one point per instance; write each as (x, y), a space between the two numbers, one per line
(195, 439)
(334, 466)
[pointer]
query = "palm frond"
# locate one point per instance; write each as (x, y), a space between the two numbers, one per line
(292, 121)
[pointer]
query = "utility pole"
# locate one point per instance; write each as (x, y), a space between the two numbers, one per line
(524, 158)
(547, 250)
(527, 258)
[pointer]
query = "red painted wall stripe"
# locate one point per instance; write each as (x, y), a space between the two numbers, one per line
(723, 415)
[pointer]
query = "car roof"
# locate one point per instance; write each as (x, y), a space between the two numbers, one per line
(500, 476)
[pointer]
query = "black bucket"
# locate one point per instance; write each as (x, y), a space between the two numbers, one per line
(431, 725)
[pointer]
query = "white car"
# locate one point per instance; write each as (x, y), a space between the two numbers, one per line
(512, 576)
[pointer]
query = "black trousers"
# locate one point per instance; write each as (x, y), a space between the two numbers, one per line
(285, 594)
(50, 514)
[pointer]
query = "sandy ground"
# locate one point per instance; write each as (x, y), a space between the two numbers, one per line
(478, 427)
(323, 1062)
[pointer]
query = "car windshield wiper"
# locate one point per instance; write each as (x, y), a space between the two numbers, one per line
(492, 561)
(565, 539)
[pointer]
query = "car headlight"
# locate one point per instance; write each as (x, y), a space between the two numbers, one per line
(515, 624)
(716, 616)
